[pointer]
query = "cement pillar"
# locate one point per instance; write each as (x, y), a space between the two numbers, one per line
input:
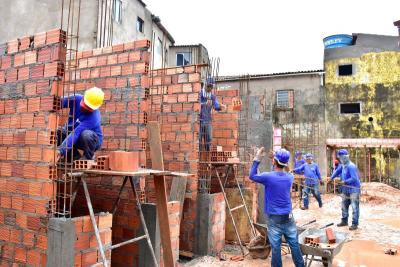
(61, 243)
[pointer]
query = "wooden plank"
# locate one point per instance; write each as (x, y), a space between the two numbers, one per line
(178, 190)
(156, 155)
(157, 160)
(140, 172)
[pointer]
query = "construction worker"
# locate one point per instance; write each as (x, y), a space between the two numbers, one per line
(350, 181)
(278, 205)
(83, 129)
(312, 177)
(208, 101)
(298, 161)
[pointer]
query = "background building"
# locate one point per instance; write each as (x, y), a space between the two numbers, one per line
(362, 92)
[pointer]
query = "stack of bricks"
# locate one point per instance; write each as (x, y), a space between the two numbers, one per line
(30, 70)
(122, 72)
(174, 95)
(86, 246)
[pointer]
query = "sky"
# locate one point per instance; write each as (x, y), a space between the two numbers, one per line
(268, 36)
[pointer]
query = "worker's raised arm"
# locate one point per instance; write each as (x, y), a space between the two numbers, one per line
(215, 103)
(337, 172)
(254, 176)
(300, 169)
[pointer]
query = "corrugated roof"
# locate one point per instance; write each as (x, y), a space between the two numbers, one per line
(191, 45)
(261, 76)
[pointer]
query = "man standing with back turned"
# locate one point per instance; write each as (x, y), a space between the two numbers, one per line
(278, 206)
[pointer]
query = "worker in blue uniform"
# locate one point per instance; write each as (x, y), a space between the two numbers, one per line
(83, 128)
(350, 188)
(298, 176)
(208, 102)
(278, 205)
(312, 179)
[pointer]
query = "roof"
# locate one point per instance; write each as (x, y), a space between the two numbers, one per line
(397, 23)
(143, 3)
(191, 45)
(157, 21)
(363, 142)
(262, 76)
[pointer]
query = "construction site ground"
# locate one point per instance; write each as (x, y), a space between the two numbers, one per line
(379, 229)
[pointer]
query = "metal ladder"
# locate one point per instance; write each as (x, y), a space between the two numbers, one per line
(229, 167)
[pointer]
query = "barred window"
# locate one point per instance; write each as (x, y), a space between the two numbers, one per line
(284, 98)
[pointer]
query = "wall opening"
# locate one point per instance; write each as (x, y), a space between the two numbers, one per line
(350, 108)
(345, 70)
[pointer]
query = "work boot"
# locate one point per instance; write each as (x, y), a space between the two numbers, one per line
(353, 227)
(341, 224)
(320, 205)
(304, 208)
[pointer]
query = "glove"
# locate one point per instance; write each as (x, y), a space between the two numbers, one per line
(339, 182)
(260, 154)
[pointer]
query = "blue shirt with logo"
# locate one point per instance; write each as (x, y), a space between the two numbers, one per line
(311, 173)
(348, 173)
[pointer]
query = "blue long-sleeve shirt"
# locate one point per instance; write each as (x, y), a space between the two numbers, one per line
(207, 106)
(311, 173)
(349, 175)
(297, 164)
(80, 121)
(277, 190)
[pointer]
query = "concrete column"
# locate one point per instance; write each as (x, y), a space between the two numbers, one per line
(61, 243)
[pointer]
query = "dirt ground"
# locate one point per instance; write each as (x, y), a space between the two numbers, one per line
(379, 229)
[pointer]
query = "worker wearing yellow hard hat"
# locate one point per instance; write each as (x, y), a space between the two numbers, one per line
(83, 128)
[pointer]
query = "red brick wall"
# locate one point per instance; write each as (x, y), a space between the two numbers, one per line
(122, 72)
(218, 223)
(86, 247)
(30, 69)
(226, 124)
(175, 104)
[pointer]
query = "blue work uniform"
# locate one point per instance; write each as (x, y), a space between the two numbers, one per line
(208, 101)
(348, 173)
(297, 164)
(312, 178)
(87, 134)
(278, 207)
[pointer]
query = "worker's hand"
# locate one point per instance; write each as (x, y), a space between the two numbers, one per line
(260, 154)
(271, 155)
(58, 156)
(223, 107)
(339, 181)
(321, 182)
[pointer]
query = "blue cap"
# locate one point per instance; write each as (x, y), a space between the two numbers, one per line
(298, 153)
(210, 81)
(282, 156)
(309, 156)
(343, 152)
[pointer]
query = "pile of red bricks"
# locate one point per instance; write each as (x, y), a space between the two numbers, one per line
(86, 246)
(174, 95)
(30, 70)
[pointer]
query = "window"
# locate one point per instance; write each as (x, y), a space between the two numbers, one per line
(350, 108)
(345, 70)
(139, 25)
(117, 11)
(158, 56)
(284, 98)
(183, 58)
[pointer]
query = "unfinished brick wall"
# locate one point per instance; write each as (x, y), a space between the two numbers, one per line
(31, 68)
(226, 124)
(218, 219)
(174, 96)
(86, 247)
(121, 71)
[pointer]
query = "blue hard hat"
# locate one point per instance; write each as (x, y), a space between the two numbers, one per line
(343, 152)
(210, 81)
(298, 153)
(309, 156)
(282, 156)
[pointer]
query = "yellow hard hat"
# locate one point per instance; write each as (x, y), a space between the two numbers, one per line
(93, 98)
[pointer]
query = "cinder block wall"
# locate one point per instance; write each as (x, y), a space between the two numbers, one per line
(31, 68)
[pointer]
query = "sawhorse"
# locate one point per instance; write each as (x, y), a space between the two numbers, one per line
(229, 167)
(159, 182)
